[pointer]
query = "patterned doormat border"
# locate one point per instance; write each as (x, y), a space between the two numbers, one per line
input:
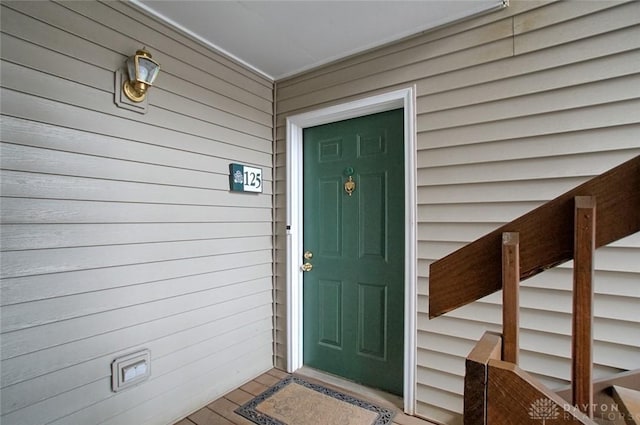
(248, 410)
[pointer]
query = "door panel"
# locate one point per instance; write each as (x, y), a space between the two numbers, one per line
(330, 217)
(372, 236)
(372, 320)
(354, 295)
(330, 313)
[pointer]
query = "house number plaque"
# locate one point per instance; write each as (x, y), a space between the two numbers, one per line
(243, 178)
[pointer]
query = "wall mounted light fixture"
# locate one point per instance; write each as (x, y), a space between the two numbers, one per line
(133, 80)
(142, 72)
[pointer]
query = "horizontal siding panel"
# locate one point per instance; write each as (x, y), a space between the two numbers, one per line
(455, 327)
(38, 83)
(36, 313)
(550, 366)
(446, 344)
(544, 81)
(23, 211)
(581, 27)
(554, 351)
(205, 113)
(36, 160)
(455, 232)
(617, 259)
(47, 186)
(505, 191)
(32, 288)
(439, 250)
(48, 348)
(35, 108)
(25, 263)
(556, 13)
(446, 381)
(39, 135)
(605, 115)
(605, 45)
(537, 318)
(632, 241)
(451, 402)
(437, 414)
(46, 386)
(508, 172)
(197, 93)
(449, 364)
(199, 321)
(616, 356)
(24, 53)
(600, 140)
(557, 368)
(497, 212)
(566, 98)
(70, 403)
(37, 31)
(605, 282)
(42, 236)
(99, 74)
(605, 306)
(196, 102)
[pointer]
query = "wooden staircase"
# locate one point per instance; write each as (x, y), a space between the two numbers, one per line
(567, 228)
(616, 400)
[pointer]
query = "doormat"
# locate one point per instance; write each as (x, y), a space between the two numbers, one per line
(294, 401)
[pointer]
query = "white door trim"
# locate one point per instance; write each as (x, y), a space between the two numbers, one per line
(404, 98)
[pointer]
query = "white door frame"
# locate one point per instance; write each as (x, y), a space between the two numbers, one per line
(404, 98)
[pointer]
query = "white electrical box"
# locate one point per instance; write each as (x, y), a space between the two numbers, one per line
(130, 370)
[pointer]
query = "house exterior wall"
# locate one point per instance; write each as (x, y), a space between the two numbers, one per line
(513, 109)
(119, 231)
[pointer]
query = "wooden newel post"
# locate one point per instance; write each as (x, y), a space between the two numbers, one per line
(510, 296)
(582, 340)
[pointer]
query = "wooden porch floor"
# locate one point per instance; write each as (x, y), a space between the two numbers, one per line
(221, 411)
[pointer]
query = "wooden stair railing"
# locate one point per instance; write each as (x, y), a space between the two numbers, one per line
(563, 229)
(546, 239)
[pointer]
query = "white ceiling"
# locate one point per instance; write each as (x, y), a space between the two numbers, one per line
(282, 38)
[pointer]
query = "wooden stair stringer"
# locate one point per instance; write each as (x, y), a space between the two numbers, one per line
(514, 397)
(475, 270)
(628, 401)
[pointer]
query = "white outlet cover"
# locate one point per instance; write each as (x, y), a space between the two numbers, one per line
(130, 370)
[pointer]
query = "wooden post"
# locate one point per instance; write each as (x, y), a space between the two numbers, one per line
(476, 378)
(582, 340)
(510, 296)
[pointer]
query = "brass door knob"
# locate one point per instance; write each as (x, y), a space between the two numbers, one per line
(306, 267)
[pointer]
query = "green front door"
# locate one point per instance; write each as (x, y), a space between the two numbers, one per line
(354, 294)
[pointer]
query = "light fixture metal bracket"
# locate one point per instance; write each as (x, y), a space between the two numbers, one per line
(120, 97)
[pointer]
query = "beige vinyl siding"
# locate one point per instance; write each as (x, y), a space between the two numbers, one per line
(118, 229)
(513, 109)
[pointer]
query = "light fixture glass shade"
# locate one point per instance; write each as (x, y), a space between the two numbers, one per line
(142, 72)
(147, 70)
(131, 68)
